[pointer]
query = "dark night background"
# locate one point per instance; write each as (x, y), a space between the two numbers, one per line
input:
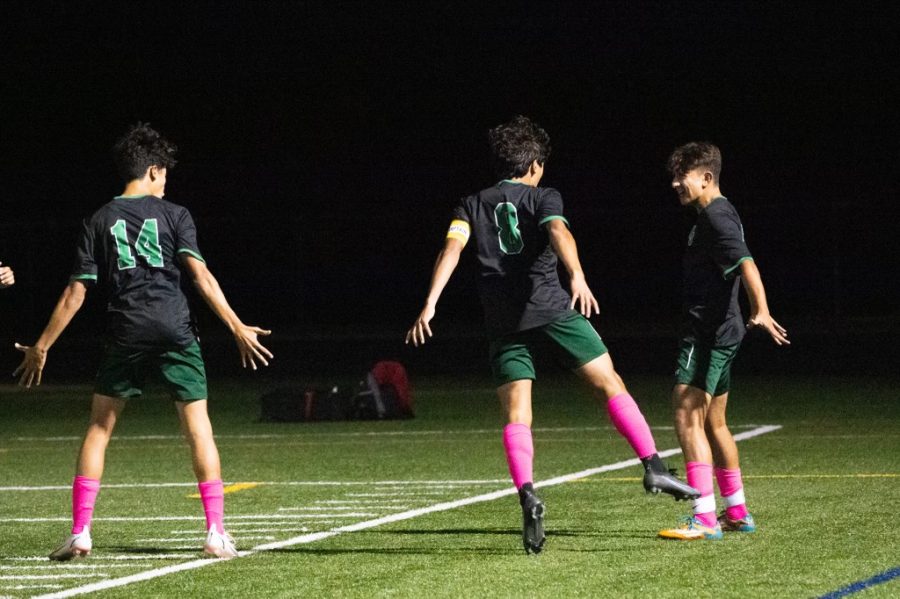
(324, 144)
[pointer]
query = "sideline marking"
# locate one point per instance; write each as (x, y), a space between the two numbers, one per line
(861, 585)
(290, 483)
(759, 476)
(318, 536)
(304, 434)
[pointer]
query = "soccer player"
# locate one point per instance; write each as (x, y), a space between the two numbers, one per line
(520, 231)
(7, 277)
(712, 329)
(138, 246)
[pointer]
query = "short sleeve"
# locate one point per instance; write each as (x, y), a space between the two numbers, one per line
(85, 268)
(550, 207)
(186, 236)
(729, 249)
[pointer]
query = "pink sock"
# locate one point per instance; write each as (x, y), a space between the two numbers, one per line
(213, 497)
(732, 489)
(84, 496)
(628, 420)
(519, 453)
(700, 476)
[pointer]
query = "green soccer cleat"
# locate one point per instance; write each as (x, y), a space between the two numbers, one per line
(745, 524)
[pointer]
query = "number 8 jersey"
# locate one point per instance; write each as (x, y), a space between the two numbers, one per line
(131, 246)
(518, 283)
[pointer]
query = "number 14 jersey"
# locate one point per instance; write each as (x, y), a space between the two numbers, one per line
(131, 247)
(518, 284)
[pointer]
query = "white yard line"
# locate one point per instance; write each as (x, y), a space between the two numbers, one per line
(53, 576)
(428, 484)
(308, 433)
(94, 558)
(355, 506)
(318, 536)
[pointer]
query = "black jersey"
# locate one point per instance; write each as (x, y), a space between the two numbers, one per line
(715, 251)
(518, 284)
(131, 247)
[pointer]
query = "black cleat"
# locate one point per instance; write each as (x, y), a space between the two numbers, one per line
(532, 521)
(665, 481)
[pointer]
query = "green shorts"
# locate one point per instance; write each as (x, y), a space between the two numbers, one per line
(123, 372)
(704, 367)
(572, 341)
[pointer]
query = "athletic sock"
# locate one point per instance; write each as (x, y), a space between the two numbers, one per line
(519, 453)
(628, 420)
(700, 476)
(84, 496)
(732, 489)
(213, 497)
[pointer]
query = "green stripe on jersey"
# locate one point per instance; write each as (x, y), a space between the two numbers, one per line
(192, 253)
(557, 217)
(83, 278)
(739, 262)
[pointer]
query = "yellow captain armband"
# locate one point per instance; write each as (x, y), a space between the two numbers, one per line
(459, 230)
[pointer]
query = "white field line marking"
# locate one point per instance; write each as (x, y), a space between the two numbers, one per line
(355, 506)
(189, 518)
(55, 566)
(395, 493)
(357, 502)
(53, 576)
(94, 558)
(305, 434)
(290, 483)
(199, 539)
(25, 587)
(239, 526)
(313, 537)
(193, 533)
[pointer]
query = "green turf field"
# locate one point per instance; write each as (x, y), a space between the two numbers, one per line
(825, 489)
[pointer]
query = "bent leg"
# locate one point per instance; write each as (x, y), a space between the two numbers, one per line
(623, 411)
(515, 399)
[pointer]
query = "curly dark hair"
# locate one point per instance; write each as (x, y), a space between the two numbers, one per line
(516, 145)
(695, 155)
(141, 148)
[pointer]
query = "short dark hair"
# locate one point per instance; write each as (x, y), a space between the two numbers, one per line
(141, 148)
(516, 145)
(696, 155)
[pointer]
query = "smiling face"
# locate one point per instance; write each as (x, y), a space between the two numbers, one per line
(693, 186)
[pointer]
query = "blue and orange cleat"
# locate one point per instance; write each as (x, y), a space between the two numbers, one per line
(745, 524)
(691, 529)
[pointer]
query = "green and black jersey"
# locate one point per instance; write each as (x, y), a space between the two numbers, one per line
(131, 246)
(518, 284)
(715, 251)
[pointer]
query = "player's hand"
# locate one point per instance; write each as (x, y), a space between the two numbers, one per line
(7, 276)
(582, 297)
(420, 328)
(247, 339)
(764, 321)
(32, 365)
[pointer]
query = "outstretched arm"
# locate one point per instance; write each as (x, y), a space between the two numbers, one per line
(7, 277)
(759, 308)
(443, 268)
(564, 245)
(245, 336)
(36, 355)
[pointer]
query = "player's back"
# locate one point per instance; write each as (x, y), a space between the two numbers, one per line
(518, 283)
(131, 246)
